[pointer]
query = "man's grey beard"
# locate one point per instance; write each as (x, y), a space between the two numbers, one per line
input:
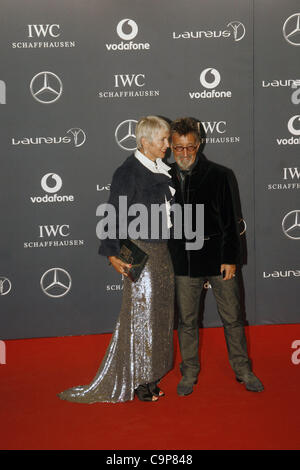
(184, 166)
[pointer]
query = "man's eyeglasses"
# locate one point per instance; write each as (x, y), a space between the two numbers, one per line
(180, 148)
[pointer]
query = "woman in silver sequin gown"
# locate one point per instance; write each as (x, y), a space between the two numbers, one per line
(141, 348)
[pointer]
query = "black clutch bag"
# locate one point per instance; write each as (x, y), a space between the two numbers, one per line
(130, 253)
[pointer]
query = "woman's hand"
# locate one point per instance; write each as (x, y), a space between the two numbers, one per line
(228, 271)
(119, 265)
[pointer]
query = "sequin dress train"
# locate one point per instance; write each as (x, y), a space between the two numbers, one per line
(141, 347)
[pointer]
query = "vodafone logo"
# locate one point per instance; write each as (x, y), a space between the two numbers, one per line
(291, 126)
(130, 25)
(127, 30)
(51, 183)
(210, 78)
(51, 188)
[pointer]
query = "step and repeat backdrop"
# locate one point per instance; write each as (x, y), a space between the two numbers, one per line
(75, 76)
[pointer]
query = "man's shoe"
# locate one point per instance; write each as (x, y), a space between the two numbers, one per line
(252, 383)
(185, 386)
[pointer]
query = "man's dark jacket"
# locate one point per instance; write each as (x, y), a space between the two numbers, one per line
(210, 184)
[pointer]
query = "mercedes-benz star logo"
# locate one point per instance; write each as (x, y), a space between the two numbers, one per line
(291, 29)
(46, 87)
(127, 36)
(291, 225)
(56, 282)
(5, 285)
(78, 135)
(239, 30)
(125, 135)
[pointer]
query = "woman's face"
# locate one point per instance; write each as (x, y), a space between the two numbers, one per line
(156, 148)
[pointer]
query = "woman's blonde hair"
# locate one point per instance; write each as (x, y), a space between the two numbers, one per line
(147, 126)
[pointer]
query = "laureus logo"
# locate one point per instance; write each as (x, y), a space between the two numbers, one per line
(235, 29)
(295, 98)
(5, 285)
(238, 29)
(127, 29)
(284, 273)
(76, 136)
(79, 136)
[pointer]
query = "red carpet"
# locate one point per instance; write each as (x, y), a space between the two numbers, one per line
(220, 414)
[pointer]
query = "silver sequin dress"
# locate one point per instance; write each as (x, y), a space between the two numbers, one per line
(141, 347)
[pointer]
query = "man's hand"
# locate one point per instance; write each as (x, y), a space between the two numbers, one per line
(229, 271)
(119, 265)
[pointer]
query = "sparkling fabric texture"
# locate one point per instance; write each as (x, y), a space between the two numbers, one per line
(141, 347)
